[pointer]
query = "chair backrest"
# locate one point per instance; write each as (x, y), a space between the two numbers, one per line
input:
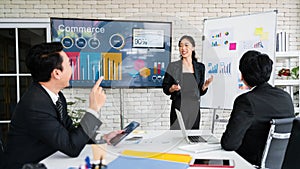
(1, 145)
(1, 150)
(293, 149)
(276, 144)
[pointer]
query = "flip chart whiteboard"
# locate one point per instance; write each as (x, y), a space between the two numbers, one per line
(225, 41)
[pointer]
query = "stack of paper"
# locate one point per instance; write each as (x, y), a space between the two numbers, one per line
(184, 158)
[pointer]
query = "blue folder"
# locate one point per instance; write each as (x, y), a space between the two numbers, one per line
(144, 163)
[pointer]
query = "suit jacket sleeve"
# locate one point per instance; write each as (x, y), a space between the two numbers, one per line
(200, 77)
(172, 76)
(167, 83)
(240, 120)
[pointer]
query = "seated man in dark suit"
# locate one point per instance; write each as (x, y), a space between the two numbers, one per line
(249, 123)
(40, 125)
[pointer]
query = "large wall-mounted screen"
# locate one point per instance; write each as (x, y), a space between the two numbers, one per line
(128, 54)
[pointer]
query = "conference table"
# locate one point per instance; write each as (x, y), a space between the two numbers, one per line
(164, 141)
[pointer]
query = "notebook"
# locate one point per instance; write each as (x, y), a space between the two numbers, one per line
(183, 158)
(192, 139)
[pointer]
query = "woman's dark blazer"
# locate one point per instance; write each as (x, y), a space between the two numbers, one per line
(36, 130)
(173, 75)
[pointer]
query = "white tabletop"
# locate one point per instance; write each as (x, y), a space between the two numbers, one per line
(153, 141)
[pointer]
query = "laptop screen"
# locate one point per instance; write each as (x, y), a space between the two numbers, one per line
(181, 123)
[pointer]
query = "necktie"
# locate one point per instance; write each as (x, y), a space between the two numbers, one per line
(59, 107)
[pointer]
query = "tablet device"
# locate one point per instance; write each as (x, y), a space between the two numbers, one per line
(127, 130)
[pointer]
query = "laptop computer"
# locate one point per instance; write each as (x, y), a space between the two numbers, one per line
(192, 139)
(209, 142)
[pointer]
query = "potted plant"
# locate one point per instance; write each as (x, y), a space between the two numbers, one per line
(295, 72)
(284, 72)
(74, 112)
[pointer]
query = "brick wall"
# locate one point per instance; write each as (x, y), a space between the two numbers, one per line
(151, 106)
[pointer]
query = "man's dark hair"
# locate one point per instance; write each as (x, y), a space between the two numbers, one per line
(256, 67)
(42, 59)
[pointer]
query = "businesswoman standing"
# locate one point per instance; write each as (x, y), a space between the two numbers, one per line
(184, 81)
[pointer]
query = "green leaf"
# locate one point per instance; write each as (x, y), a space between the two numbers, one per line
(295, 72)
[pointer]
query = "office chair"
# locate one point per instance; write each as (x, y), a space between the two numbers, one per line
(276, 143)
(293, 149)
(1, 144)
(1, 150)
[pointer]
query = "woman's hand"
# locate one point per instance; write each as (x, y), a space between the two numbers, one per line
(207, 82)
(174, 87)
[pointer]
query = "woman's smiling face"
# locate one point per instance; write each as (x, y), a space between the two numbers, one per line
(186, 48)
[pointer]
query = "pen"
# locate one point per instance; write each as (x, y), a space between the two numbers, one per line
(98, 166)
(100, 161)
(88, 162)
